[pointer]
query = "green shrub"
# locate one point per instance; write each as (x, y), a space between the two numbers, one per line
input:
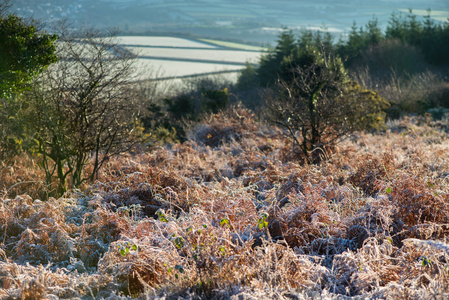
(182, 106)
(168, 118)
(162, 135)
(25, 52)
(247, 78)
(214, 100)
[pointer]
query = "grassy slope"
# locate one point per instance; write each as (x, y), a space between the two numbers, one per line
(372, 220)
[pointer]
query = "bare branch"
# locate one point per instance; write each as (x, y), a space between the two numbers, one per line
(319, 102)
(89, 109)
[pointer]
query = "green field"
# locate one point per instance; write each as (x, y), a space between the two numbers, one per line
(233, 45)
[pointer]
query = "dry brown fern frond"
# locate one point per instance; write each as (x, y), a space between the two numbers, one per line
(429, 231)
(418, 202)
(371, 267)
(307, 218)
(371, 171)
(356, 235)
(136, 271)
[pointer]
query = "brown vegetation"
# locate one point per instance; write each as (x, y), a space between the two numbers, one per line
(238, 217)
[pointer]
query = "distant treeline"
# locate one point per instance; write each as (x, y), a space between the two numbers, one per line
(407, 43)
(430, 37)
(407, 63)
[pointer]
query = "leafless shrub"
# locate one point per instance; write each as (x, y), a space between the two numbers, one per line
(83, 107)
(317, 105)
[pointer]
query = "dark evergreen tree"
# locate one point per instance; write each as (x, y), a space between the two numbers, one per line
(270, 64)
(25, 51)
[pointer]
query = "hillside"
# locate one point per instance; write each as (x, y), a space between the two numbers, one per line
(231, 213)
(252, 21)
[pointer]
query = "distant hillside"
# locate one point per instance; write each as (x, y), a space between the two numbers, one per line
(255, 21)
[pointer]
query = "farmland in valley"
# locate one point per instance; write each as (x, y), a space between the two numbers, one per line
(169, 57)
(212, 25)
(249, 20)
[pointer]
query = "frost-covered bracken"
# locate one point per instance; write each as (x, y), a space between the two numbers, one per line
(231, 213)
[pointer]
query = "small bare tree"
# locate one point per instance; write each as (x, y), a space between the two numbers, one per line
(317, 104)
(83, 108)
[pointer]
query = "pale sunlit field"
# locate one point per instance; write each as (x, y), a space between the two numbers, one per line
(170, 57)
